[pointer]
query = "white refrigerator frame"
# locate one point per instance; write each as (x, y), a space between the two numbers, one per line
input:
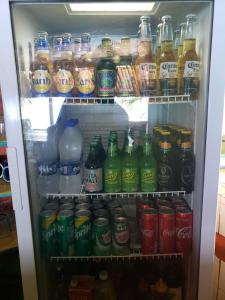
(17, 165)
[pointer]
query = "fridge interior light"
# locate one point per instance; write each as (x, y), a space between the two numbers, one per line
(111, 7)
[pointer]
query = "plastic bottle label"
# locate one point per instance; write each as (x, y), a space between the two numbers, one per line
(191, 69)
(85, 80)
(148, 179)
(41, 81)
(70, 168)
(106, 81)
(147, 71)
(93, 179)
(46, 169)
(168, 70)
(64, 81)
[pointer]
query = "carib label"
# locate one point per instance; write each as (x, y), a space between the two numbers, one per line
(106, 80)
(85, 81)
(41, 82)
(64, 82)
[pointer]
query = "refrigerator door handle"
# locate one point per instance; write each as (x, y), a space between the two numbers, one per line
(14, 178)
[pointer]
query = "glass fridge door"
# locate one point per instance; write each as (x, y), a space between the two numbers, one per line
(113, 105)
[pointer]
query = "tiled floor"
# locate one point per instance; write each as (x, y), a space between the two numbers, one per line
(219, 266)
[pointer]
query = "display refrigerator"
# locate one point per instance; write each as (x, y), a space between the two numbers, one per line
(118, 78)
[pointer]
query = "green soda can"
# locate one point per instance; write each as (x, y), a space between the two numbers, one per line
(67, 206)
(117, 212)
(47, 225)
(101, 235)
(51, 206)
(120, 236)
(83, 206)
(65, 233)
(100, 213)
(83, 233)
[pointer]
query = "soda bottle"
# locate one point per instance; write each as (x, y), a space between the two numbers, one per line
(180, 70)
(165, 166)
(102, 154)
(41, 80)
(130, 171)
(148, 167)
(112, 168)
(186, 163)
(190, 60)
(168, 64)
(70, 153)
(63, 69)
(93, 171)
(145, 63)
(84, 69)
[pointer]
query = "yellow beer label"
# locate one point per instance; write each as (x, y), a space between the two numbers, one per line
(165, 145)
(41, 81)
(81, 220)
(168, 70)
(147, 71)
(64, 81)
(191, 69)
(85, 80)
(186, 145)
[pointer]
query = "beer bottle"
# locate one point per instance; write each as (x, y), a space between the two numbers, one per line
(145, 63)
(41, 80)
(190, 60)
(186, 163)
(130, 174)
(168, 64)
(165, 166)
(176, 42)
(148, 167)
(112, 168)
(93, 171)
(84, 69)
(158, 55)
(63, 69)
(180, 69)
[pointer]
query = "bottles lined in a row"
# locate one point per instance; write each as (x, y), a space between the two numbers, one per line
(166, 163)
(117, 67)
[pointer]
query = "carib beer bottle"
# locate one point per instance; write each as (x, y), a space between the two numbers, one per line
(190, 60)
(41, 81)
(63, 69)
(168, 64)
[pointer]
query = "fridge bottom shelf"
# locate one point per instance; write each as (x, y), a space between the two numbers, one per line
(132, 256)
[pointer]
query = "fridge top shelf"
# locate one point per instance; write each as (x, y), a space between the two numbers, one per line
(132, 256)
(117, 195)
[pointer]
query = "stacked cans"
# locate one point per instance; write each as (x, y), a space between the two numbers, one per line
(164, 225)
(82, 227)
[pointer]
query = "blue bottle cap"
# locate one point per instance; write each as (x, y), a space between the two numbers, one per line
(71, 123)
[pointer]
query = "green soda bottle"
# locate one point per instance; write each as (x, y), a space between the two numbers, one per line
(130, 174)
(112, 168)
(148, 167)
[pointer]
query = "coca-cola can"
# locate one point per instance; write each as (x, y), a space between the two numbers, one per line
(142, 204)
(166, 231)
(162, 202)
(149, 231)
(142, 207)
(184, 219)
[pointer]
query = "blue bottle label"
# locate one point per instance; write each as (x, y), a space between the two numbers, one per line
(70, 168)
(106, 80)
(46, 169)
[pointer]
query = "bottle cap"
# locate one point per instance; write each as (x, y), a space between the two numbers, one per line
(145, 18)
(71, 123)
(103, 275)
(166, 18)
(191, 16)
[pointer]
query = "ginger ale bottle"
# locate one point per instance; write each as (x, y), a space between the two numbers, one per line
(168, 63)
(190, 60)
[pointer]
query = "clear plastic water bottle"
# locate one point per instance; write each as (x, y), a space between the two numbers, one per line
(70, 153)
(47, 163)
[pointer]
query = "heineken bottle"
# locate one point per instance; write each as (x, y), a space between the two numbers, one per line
(112, 169)
(148, 167)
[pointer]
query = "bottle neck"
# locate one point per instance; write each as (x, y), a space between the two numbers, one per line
(189, 45)
(147, 149)
(112, 150)
(145, 48)
(167, 46)
(129, 149)
(180, 50)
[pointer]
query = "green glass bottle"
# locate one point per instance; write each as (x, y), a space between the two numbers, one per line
(148, 167)
(130, 174)
(112, 168)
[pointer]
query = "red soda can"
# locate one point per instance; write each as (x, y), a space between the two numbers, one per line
(180, 205)
(166, 231)
(163, 202)
(142, 204)
(142, 207)
(184, 219)
(149, 231)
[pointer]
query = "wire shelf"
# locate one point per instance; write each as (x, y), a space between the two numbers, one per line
(151, 100)
(116, 195)
(132, 256)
